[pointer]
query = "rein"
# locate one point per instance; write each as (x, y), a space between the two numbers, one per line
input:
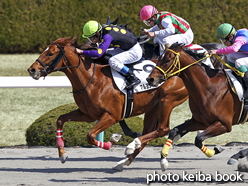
(177, 62)
(168, 73)
(233, 69)
(88, 82)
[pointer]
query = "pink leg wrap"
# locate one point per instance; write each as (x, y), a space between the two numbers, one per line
(104, 145)
(59, 138)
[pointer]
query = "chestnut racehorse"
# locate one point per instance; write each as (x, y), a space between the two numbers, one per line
(98, 98)
(215, 107)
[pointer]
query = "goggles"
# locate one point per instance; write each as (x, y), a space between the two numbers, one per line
(148, 21)
(223, 40)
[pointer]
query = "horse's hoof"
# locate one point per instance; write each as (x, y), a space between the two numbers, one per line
(164, 164)
(243, 167)
(63, 158)
(232, 161)
(115, 138)
(119, 166)
(218, 149)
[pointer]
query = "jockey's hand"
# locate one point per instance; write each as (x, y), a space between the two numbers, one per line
(145, 31)
(213, 52)
(151, 34)
(79, 51)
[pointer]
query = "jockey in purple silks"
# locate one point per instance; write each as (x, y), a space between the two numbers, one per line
(125, 42)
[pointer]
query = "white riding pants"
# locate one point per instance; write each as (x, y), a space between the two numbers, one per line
(238, 58)
(183, 39)
(121, 57)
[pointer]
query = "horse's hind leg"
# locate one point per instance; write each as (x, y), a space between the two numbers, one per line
(103, 123)
(150, 123)
(75, 115)
(213, 130)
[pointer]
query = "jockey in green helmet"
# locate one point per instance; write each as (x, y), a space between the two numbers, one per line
(224, 31)
(237, 49)
(123, 41)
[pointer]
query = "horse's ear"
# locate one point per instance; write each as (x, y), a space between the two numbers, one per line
(108, 21)
(115, 21)
(179, 48)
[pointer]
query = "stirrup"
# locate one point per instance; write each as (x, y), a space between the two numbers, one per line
(136, 82)
(245, 95)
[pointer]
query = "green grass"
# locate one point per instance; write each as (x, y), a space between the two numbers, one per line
(20, 107)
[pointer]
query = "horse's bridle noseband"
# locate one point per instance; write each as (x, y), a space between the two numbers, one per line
(51, 67)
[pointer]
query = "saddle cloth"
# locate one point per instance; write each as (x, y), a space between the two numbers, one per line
(235, 84)
(141, 70)
(199, 49)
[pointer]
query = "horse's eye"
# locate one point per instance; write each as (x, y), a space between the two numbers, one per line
(167, 61)
(50, 54)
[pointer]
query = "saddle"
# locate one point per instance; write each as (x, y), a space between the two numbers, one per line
(232, 77)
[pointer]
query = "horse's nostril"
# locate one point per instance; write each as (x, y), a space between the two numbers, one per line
(150, 80)
(31, 70)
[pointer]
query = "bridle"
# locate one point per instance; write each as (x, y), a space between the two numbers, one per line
(51, 67)
(176, 64)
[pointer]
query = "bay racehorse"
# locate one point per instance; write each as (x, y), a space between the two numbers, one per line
(151, 51)
(215, 107)
(98, 97)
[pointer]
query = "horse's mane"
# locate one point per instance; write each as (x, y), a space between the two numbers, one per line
(73, 43)
(175, 45)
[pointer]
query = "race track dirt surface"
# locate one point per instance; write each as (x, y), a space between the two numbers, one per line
(39, 166)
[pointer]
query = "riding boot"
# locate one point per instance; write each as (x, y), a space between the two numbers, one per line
(245, 78)
(131, 79)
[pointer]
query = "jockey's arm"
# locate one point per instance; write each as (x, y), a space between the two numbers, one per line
(169, 28)
(107, 39)
(239, 41)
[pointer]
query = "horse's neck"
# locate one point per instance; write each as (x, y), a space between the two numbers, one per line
(195, 77)
(81, 75)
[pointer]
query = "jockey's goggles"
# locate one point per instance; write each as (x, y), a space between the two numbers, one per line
(148, 21)
(223, 40)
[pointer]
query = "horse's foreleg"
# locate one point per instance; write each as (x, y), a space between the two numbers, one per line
(105, 122)
(213, 130)
(150, 124)
(127, 131)
(234, 158)
(75, 115)
(175, 133)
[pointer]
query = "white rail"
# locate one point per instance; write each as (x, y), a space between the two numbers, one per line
(29, 82)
